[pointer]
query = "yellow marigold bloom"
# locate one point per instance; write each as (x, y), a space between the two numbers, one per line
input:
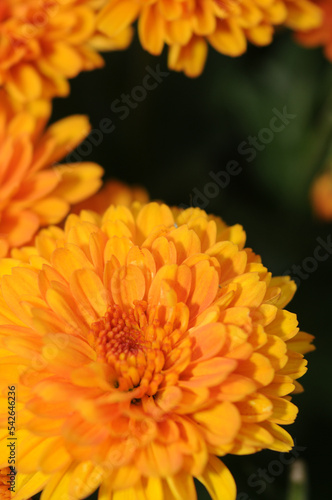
(321, 35)
(45, 42)
(33, 191)
(321, 196)
(143, 344)
(113, 192)
(187, 26)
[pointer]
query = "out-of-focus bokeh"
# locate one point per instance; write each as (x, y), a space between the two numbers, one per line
(244, 141)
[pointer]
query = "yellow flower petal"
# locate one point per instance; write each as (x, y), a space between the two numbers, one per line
(116, 16)
(25, 83)
(218, 480)
(66, 134)
(150, 30)
(127, 286)
(78, 181)
(29, 484)
(228, 38)
(152, 216)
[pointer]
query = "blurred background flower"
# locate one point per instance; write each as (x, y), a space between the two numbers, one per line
(113, 192)
(187, 27)
(34, 191)
(321, 196)
(321, 35)
(45, 42)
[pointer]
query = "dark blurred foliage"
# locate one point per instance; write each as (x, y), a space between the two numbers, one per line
(186, 128)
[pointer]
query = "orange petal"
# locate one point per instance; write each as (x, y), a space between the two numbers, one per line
(218, 480)
(255, 435)
(163, 251)
(301, 343)
(64, 59)
(251, 291)
(258, 368)
(255, 408)
(182, 486)
(85, 479)
(207, 373)
(284, 412)
(159, 460)
(228, 38)
(284, 326)
(89, 292)
(151, 29)
(28, 485)
(151, 216)
(170, 277)
(235, 388)
(19, 228)
(220, 423)
(204, 287)
(282, 441)
(287, 290)
(209, 340)
(117, 247)
(65, 134)
(24, 83)
(78, 181)
(296, 365)
(62, 303)
(127, 285)
(67, 260)
(120, 213)
(117, 16)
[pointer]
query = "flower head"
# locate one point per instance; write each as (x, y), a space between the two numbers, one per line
(187, 26)
(321, 196)
(45, 42)
(33, 191)
(145, 343)
(320, 35)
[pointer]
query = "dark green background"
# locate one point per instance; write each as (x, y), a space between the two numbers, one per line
(186, 128)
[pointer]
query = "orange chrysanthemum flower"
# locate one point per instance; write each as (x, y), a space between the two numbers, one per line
(143, 344)
(321, 196)
(45, 42)
(33, 192)
(187, 25)
(113, 192)
(321, 35)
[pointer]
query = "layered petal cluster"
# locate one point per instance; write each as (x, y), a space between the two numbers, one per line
(320, 35)
(34, 191)
(143, 344)
(45, 42)
(321, 196)
(187, 26)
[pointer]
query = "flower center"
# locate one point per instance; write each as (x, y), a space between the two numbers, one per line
(132, 347)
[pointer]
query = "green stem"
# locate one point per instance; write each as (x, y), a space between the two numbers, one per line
(298, 483)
